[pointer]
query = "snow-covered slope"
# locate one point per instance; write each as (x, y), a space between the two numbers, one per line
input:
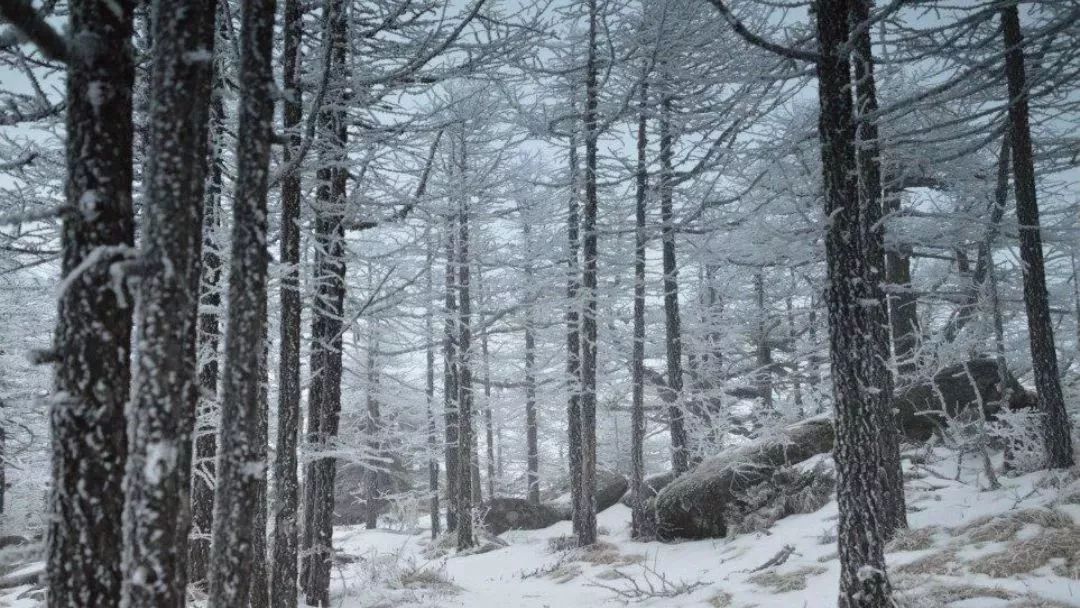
(968, 547)
(946, 559)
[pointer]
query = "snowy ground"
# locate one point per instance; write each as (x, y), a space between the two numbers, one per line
(397, 569)
(1018, 546)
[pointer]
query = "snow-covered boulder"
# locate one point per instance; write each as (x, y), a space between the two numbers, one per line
(502, 514)
(610, 487)
(956, 391)
(693, 505)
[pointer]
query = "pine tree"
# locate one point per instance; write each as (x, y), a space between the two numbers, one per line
(1057, 430)
(93, 331)
(283, 565)
(586, 533)
(166, 383)
(639, 524)
(241, 461)
(861, 528)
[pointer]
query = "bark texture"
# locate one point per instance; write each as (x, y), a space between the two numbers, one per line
(241, 460)
(1057, 429)
(283, 564)
(93, 331)
(157, 485)
(861, 528)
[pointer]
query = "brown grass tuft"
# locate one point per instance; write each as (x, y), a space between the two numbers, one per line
(1026, 555)
(787, 581)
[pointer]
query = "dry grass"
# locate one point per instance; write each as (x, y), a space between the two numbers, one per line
(1030, 554)
(944, 595)
(788, 581)
(913, 539)
(1001, 528)
(943, 562)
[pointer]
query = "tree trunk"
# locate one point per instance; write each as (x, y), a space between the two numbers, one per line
(532, 440)
(157, 485)
(93, 331)
(1057, 430)
(324, 402)
(860, 531)
(573, 331)
(450, 378)
(206, 422)
(672, 319)
(241, 461)
(871, 235)
(373, 426)
(283, 565)
(485, 365)
(259, 593)
(466, 492)
(586, 533)
(764, 351)
(639, 521)
(429, 393)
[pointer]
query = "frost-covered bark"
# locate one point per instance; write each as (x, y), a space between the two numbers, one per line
(283, 565)
(532, 443)
(861, 527)
(672, 318)
(202, 483)
(573, 332)
(465, 494)
(1056, 425)
(586, 533)
(429, 389)
(450, 376)
(241, 462)
(324, 396)
(93, 331)
(485, 367)
(871, 232)
(166, 384)
(639, 518)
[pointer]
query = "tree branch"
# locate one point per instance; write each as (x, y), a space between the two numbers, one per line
(758, 41)
(21, 14)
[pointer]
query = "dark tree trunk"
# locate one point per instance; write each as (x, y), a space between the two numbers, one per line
(283, 565)
(324, 402)
(532, 442)
(465, 495)
(861, 527)
(373, 427)
(586, 533)
(672, 319)
(450, 378)
(573, 332)
(429, 393)
(639, 522)
(166, 385)
(93, 331)
(206, 422)
(871, 233)
(1057, 430)
(485, 366)
(259, 593)
(241, 461)
(764, 351)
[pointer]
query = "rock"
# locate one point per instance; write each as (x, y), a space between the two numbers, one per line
(953, 390)
(502, 514)
(610, 487)
(351, 504)
(693, 505)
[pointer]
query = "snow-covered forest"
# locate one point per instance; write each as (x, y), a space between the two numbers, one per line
(531, 303)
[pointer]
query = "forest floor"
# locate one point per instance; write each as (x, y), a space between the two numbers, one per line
(968, 547)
